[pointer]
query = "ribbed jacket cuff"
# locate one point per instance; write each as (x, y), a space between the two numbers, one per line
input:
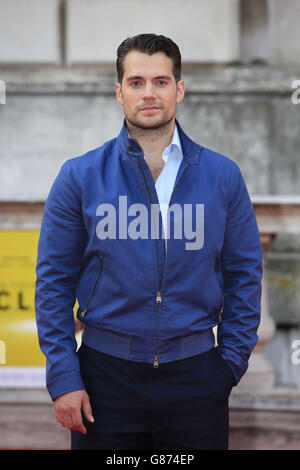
(65, 383)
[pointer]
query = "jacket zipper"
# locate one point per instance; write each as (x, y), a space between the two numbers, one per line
(158, 295)
(165, 264)
(158, 301)
(83, 313)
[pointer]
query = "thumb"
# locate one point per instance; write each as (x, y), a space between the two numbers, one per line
(87, 410)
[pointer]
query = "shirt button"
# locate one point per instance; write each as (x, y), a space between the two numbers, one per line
(129, 148)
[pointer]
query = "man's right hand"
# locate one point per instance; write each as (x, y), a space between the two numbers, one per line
(68, 410)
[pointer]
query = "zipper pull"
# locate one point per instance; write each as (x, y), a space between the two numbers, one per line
(83, 313)
(158, 298)
(155, 362)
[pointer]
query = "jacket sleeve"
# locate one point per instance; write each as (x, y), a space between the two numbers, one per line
(241, 260)
(60, 251)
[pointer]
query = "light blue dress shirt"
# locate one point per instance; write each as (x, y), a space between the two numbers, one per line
(172, 156)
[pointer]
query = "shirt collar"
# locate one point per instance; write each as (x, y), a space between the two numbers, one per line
(174, 148)
(191, 152)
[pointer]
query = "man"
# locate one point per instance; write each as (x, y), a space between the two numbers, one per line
(150, 284)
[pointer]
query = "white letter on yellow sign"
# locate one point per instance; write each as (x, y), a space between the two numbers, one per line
(2, 352)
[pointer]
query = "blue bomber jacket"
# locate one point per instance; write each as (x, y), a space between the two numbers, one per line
(101, 243)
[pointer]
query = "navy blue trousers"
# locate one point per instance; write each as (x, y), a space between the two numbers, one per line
(179, 405)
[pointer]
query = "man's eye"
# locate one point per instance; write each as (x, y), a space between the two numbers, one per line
(136, 83)
(162, 82)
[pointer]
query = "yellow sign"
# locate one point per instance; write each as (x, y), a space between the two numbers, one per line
(19, 345)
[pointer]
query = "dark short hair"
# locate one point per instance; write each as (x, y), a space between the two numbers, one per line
(149, 44)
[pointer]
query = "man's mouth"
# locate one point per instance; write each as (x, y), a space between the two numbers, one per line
(149, 108)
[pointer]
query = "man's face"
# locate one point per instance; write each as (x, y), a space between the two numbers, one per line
(149, 92)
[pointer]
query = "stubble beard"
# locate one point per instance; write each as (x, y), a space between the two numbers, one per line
(139, 129)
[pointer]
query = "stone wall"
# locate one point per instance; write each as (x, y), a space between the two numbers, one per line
(239, 63)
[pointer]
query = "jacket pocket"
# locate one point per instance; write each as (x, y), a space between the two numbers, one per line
(94, 290)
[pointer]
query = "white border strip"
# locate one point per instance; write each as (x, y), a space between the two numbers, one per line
(22, 377)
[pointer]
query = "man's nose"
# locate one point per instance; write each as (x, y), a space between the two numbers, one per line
(149, 94)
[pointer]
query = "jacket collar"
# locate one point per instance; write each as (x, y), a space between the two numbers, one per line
(190, 150)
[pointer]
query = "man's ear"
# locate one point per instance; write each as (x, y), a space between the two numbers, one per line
(180, 91)
(119, 93)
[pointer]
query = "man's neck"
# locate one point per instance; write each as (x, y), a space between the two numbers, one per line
(152, 141)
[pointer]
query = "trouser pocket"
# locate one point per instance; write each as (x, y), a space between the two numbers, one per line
(223, 370)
